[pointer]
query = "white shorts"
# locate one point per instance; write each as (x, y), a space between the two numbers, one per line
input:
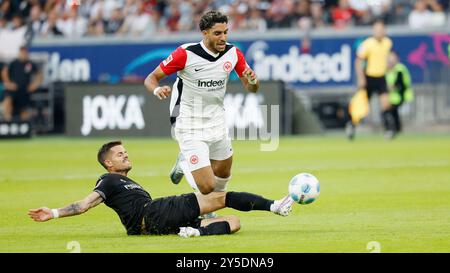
(198, 153)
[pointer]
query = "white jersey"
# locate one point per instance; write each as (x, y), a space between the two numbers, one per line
(197, 96)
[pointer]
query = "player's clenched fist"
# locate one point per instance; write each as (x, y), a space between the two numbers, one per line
(162, 92)
(250, 75)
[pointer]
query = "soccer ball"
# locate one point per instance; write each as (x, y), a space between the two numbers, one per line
(304, 188)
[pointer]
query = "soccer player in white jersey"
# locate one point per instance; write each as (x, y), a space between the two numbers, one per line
(196, 107)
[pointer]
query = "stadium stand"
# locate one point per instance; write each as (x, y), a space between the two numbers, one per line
(147, 17)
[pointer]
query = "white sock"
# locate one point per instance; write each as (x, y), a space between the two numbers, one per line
(188, 175)
(221, 183)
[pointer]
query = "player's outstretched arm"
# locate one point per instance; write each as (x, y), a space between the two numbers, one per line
(249, 80)
(152, 84)
(44, 214)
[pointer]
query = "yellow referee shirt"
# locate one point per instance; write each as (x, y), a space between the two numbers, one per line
(376, 54)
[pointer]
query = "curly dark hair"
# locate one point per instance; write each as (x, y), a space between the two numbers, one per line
(211, 18)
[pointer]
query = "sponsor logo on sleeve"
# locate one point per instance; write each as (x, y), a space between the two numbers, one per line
(168, 60)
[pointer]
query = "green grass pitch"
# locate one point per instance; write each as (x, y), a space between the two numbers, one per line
(395, 193)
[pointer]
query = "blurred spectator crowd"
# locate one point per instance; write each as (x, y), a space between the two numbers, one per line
(75, 18)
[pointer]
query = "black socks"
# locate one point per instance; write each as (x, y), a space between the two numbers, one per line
(216, 228)
(245, 201)
(242, 201)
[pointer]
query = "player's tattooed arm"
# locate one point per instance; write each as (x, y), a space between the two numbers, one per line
(72, 209)
(44, 214)
(81, 206)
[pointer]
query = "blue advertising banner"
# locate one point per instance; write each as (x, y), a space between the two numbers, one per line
(329, 62)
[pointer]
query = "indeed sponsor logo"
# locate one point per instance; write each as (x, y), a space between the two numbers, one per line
(296, 67)
(112, 112)
(211, 83)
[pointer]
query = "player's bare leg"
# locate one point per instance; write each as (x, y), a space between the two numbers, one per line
(214, 177)
(220, 225)
(211, 202)
(241, 201)
(205, 179)
(221, 167)
(222, 172)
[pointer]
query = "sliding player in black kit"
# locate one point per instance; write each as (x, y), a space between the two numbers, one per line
(142, 215)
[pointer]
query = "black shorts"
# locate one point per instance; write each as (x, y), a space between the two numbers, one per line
(376, 85)
(20, 100)
(166, 215)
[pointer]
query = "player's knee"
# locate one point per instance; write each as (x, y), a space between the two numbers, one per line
(235, 223)
(206, 187)
(222, 173)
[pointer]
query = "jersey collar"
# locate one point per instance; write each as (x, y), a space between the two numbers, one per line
(215, 55)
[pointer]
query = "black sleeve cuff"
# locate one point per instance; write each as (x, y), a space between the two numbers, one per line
(101, 194)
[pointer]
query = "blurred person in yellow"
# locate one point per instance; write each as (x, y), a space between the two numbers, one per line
(371, 67)
(399, 83)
